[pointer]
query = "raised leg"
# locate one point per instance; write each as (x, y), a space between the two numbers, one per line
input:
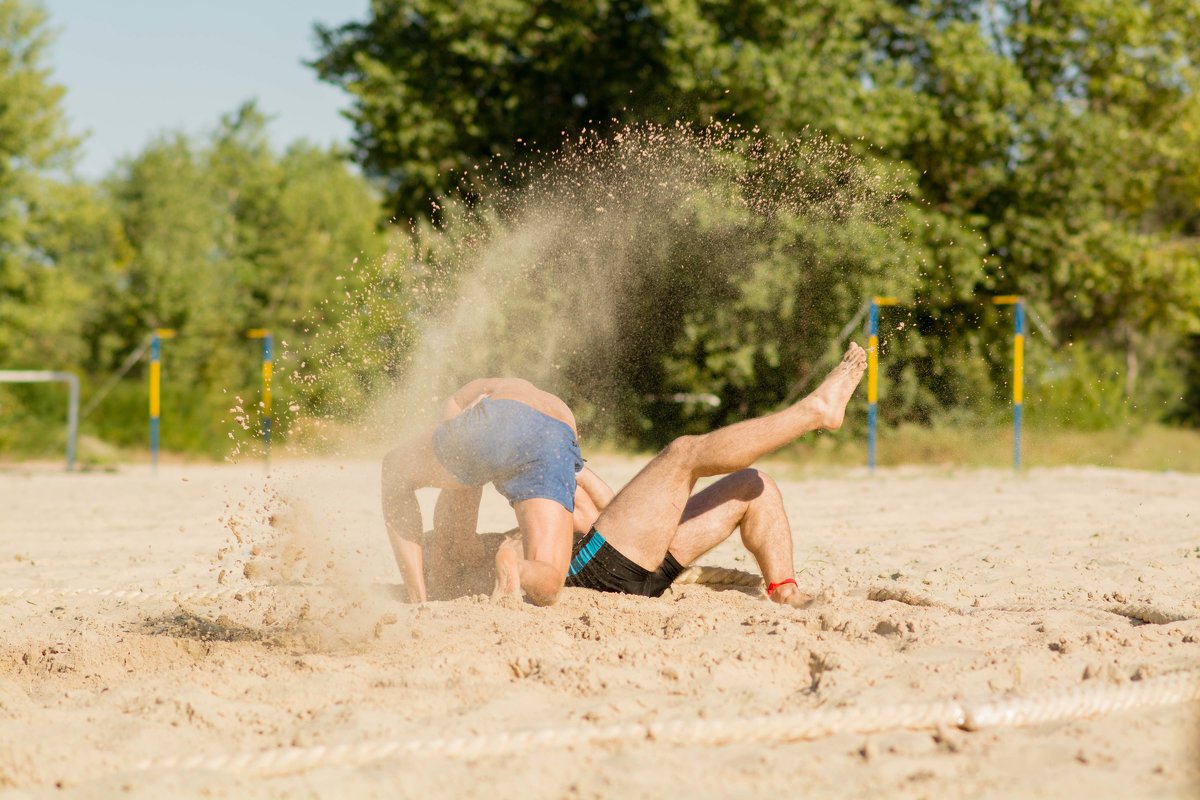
(642, 519)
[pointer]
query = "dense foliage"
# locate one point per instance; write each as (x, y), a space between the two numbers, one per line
(1052, 150)
(1046, 149)
(210, 236)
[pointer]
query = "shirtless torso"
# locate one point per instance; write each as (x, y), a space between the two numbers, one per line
(516, 389)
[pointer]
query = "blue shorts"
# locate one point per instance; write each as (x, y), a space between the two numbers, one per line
(525, 453)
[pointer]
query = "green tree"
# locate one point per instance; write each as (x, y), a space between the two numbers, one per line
(56, 235)
(36, 299)
(1049, 148)
(441, 86)
(225, 236)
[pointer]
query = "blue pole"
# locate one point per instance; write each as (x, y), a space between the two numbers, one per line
(155, 372)
(1018, 378)
(266, 420)
(872, 380)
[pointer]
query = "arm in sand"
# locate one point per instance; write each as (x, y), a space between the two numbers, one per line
(414, 465)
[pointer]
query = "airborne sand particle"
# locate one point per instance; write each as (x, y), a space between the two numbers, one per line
(576, 271)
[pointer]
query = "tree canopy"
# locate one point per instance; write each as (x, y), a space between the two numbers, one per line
(1050, 147)
(1046, 149)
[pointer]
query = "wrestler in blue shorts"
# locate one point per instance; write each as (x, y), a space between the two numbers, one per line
(523, 440)
(524, 453)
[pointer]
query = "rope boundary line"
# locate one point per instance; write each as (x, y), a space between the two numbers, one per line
(1175, 688)
(1143, 613)
(705, 575)
(1178, 687)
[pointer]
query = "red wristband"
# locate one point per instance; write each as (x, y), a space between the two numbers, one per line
(771, 587)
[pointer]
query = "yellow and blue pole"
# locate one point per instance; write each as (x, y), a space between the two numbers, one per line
(156, 389)
(873, 373)
(1018, 395)
(1018, 378)
(267, 368)
(872, 379)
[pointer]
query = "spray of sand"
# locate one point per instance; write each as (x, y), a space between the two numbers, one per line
(572, 270)
(601, 256)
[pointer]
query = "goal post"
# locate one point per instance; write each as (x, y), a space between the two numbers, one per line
(875, 303)
(72, 381)
(157, 335)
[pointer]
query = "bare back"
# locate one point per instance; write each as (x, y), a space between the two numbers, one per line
(516, 389)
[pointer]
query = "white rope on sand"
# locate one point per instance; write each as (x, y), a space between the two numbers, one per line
(1143, 613)
(700, 575)
(1171, 689)
(722, 576)
(163, 595)
(130, 595)
(718, 576)
(993, 713)
(1179, 687)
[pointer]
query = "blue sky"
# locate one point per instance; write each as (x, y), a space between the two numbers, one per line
(136, 68)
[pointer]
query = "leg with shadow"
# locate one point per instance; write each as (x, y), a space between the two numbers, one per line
(454, 553)
(642, 520)
(748, 500)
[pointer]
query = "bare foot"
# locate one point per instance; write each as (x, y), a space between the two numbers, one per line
(831, 397)
(790, 595)
(508, 571)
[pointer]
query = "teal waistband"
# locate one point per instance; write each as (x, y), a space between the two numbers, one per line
(587, 552)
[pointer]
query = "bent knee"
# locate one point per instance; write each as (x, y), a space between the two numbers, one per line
(682, 449)
(752, 483)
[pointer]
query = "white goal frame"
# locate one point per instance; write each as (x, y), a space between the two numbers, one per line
(72, 381)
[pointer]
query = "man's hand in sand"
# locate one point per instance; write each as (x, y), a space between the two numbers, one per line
(508, 571)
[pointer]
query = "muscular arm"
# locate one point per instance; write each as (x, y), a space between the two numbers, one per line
(411, 561)
(541, 569)
(547, 543)
(592, 495)
(600, 492)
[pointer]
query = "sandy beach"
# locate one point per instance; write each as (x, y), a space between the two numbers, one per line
(212, 631)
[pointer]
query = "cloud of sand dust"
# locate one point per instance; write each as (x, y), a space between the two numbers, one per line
(567, 269)
(596, 259)
(320, 592)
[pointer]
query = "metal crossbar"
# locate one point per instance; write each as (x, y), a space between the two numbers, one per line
(43, 376)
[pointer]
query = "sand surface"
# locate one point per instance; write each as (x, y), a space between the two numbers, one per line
(269, 627)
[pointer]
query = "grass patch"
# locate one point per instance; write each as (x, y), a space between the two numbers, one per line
(1145, 447)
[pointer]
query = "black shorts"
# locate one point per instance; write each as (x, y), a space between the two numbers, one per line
(596, 564)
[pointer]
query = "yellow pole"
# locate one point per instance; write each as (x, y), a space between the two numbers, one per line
(155, 388)
(1018, 393)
